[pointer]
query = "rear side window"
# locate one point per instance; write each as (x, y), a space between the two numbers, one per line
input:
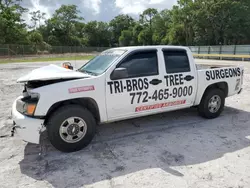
(143, 63)
(176, 61)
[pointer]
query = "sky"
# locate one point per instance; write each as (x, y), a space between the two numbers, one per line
(100, 10)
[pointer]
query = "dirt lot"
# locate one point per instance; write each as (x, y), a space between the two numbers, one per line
(177, 149)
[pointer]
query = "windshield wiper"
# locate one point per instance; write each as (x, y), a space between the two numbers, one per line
(88, 72)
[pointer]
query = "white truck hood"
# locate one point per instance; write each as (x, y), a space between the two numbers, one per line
(51, 72)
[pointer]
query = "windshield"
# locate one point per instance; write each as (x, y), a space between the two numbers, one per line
(101, 63)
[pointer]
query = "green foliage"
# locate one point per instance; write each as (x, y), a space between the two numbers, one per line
(199, 22)
(146, 19)
(35, 37)
(147, 16)
(62, 25)
(160, 24)
(118, 24)
(145, 37)
(12, 28)
(97, 34)
(126, 38)
(36, 18)
(53, 40)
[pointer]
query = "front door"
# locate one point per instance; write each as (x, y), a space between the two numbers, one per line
(138, 92)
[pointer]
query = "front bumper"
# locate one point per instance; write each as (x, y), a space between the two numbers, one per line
(28, 128)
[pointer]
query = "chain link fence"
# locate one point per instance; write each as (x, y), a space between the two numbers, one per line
(19, 51)
(15, 51)
(229, 49)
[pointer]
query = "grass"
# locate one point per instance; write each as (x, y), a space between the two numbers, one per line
(42, 59)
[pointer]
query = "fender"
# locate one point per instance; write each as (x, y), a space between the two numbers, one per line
(221, 85)
(87, 102)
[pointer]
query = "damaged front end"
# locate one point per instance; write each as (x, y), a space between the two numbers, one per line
(26, 123)
(40, 83)
(27, 127)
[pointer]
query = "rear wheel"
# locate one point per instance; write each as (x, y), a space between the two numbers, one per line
(71, 128)
(212, 103)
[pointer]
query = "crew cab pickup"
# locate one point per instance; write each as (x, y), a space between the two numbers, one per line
(120, 83)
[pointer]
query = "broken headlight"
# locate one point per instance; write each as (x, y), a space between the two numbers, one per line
(27, 105)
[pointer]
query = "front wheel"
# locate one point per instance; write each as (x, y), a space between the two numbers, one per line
(212, 103)
(71, 128)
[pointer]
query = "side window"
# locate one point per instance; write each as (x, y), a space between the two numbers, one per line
(140, 64)
(176, 61)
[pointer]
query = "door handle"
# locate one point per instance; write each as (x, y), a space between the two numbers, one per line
(155, 82)
(188, 78)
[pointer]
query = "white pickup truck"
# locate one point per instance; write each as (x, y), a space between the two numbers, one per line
(118, 84)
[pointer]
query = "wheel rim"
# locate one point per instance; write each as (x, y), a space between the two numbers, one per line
(214, 104)
(73, 129)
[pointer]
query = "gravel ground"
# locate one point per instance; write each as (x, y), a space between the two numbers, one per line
(177, 149)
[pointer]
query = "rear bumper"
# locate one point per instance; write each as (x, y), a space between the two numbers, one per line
(27, 128)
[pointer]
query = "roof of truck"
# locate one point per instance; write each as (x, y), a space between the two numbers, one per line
(150, 47)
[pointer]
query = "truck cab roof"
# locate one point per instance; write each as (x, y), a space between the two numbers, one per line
(131, 48)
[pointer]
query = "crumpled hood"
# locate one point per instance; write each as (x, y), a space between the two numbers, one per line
(51, 72)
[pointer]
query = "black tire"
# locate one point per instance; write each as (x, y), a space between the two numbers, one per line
(62, 114)
(203, 108)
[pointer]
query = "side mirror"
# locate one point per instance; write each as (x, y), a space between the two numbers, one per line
(119, 73)
(67, 65)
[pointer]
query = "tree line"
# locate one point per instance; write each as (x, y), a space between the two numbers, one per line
(190, 22)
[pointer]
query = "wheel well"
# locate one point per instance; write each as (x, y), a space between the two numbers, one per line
(220, 85)
(88, 103)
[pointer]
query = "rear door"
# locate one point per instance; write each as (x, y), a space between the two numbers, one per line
(180, 78)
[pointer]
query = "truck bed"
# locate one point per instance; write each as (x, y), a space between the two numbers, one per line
(212, 66)
(209, 74)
